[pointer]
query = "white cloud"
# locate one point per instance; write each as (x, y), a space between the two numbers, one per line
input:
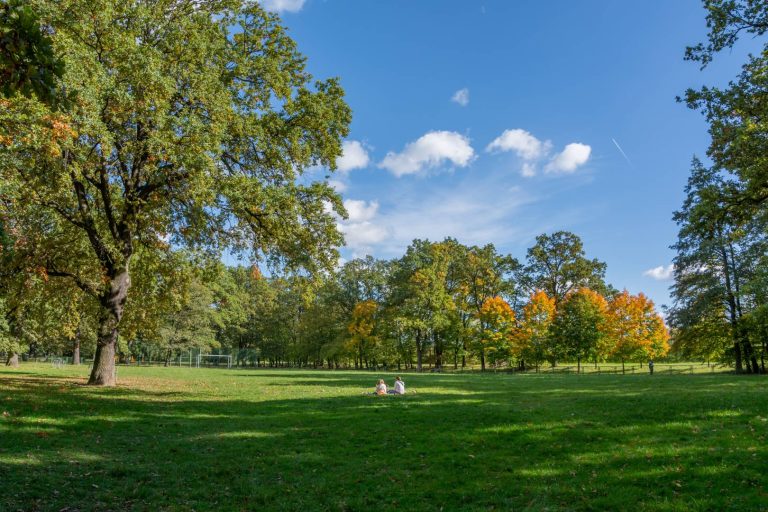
(525, 145)
(353, 156)
(532, 150)
(461, 97)
(360, 211)
(428, 151)
(338, 186)
(472, 211)
(572, 157)
(361, 236)
(283, 5)
(661, 273)
(476, 215)
(528, 170)
(360, 232)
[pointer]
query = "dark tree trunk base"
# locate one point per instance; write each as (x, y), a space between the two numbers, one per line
(103, 372)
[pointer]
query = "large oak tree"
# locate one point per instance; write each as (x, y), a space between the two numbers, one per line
(188, 124)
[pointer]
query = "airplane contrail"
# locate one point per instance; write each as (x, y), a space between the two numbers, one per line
(622, 152)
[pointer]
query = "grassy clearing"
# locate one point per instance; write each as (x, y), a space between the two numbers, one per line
(188, 439)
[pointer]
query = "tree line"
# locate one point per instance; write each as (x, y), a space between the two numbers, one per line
(441, 303)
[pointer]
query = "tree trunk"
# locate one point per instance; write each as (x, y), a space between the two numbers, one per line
(438, 352)
(733, 312)
(419, 350)
(749, 352)
(76, 350)
(482, 359)
(13, 360)
(578, 365)
(112, 302)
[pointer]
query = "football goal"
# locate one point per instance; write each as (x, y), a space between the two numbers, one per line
(214, 360)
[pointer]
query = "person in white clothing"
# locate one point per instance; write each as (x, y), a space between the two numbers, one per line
(381, 388)
(399, 386)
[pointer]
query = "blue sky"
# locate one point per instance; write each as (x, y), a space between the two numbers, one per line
(495, 121)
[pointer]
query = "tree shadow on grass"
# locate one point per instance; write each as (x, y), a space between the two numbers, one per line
(508, 444)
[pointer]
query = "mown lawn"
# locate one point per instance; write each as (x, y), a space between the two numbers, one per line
(189, 439)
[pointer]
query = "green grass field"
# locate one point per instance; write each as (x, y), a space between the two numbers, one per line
(189, 439)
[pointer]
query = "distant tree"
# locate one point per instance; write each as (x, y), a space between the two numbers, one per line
(718, 255)
(636, 328)
(420, 296)
(557, 265)
(361, 279)
(487, 274)
(323, 327)
(191, 324)
(498, 331)
(706, 335)
(533, 338)
(362, 329)
(457, 335)
(580, 325)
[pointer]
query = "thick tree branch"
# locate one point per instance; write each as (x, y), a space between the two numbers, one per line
(87, 288)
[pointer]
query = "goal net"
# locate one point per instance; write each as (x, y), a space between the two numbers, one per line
(214, 361)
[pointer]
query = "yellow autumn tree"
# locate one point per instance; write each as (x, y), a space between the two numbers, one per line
(361, 329)
(531, 340)
(498, 320)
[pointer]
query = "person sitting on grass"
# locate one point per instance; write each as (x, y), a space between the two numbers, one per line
(381, 388)
(399, 387)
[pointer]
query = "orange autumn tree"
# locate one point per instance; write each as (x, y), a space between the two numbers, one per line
(533, 336)
(498, 320)
(636, 328)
